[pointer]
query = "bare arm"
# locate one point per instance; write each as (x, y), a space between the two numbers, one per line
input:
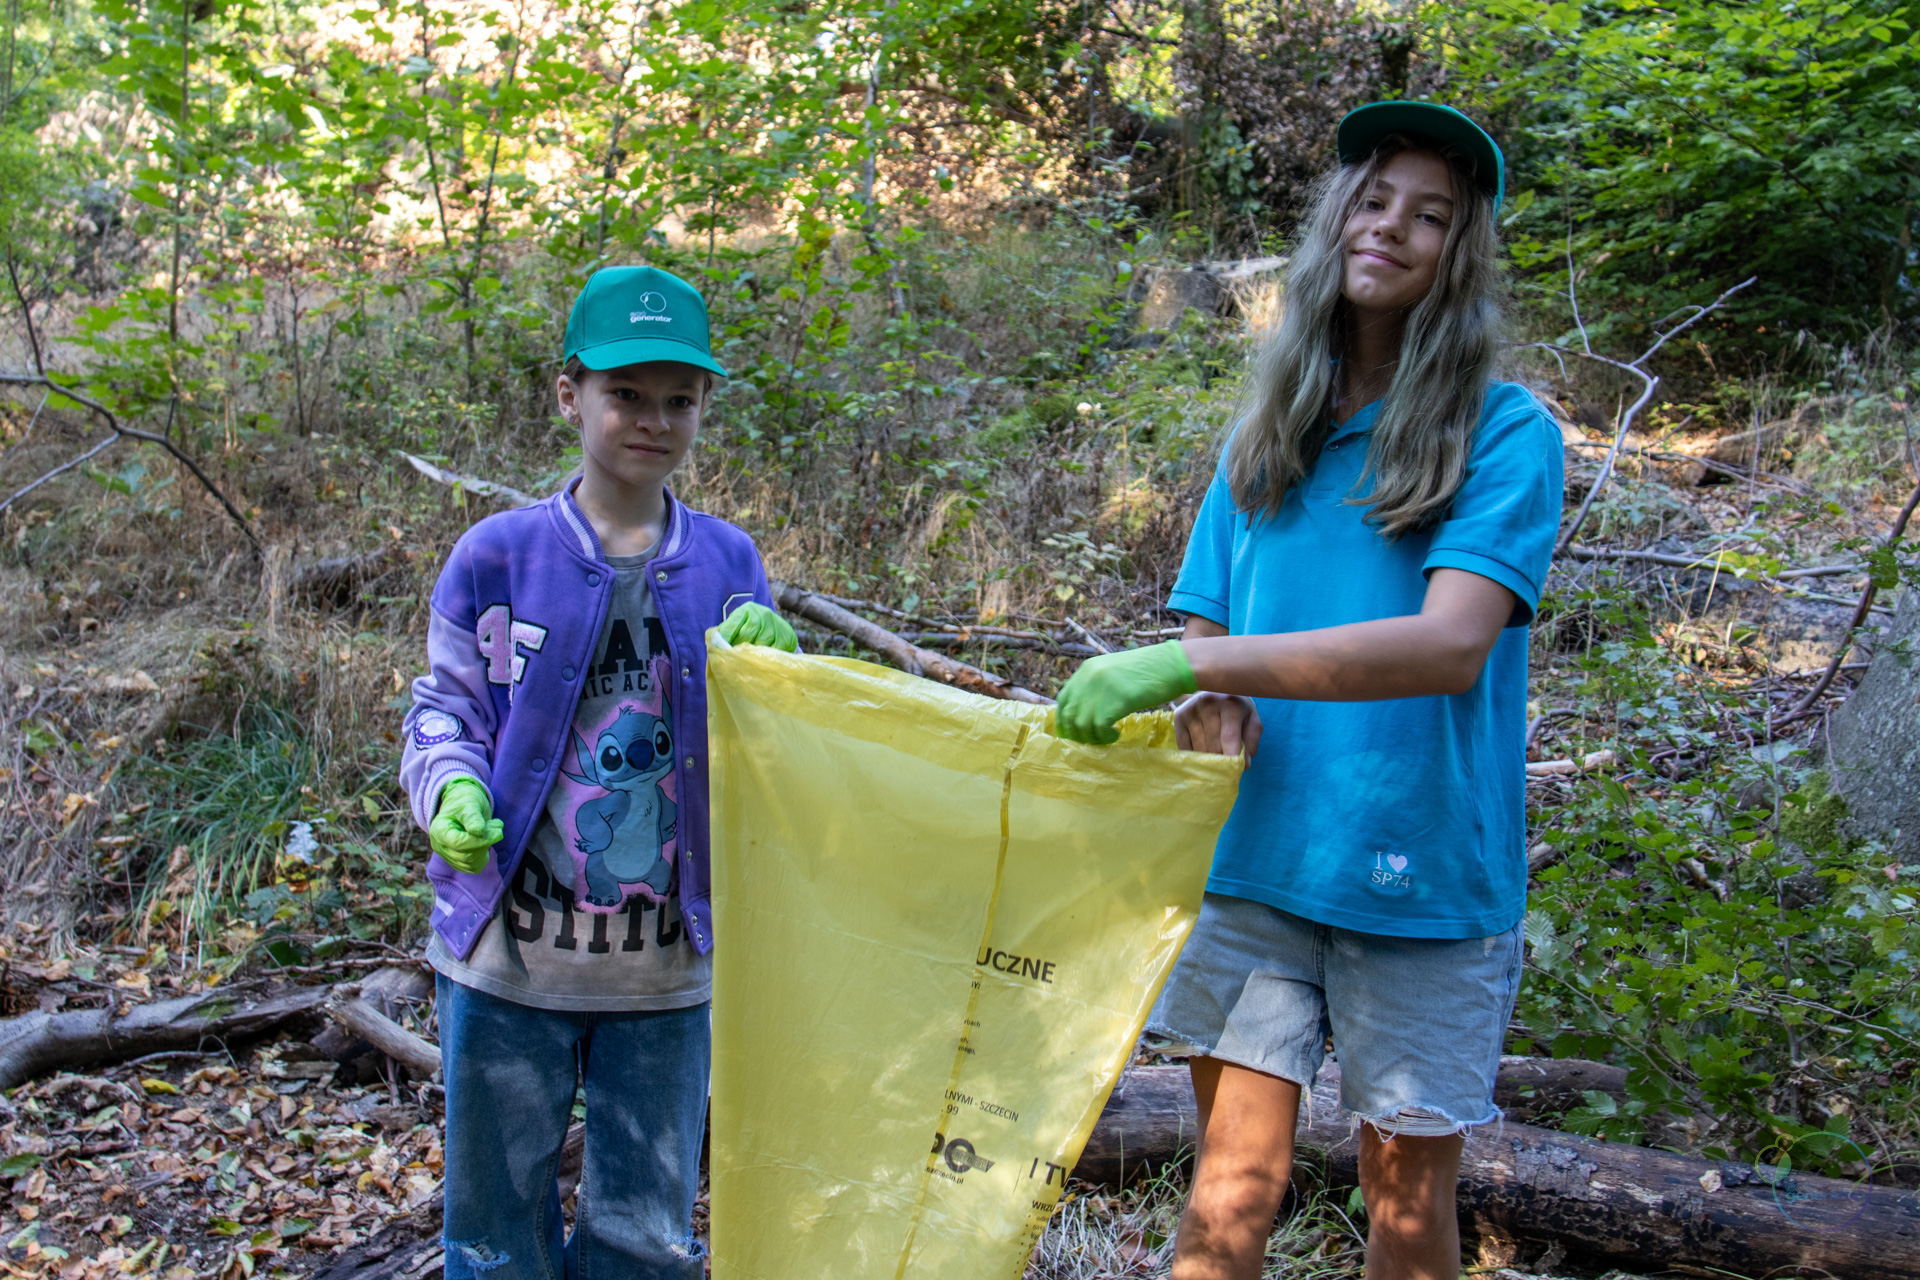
(1439, 650)
(1199, 628)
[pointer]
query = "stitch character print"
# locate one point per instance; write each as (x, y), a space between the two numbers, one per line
(624, 820)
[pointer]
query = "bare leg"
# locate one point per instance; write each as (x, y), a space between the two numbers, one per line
(1246, 1157)
(1409, 1185)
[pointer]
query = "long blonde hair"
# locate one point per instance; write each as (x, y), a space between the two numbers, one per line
(1424, 431)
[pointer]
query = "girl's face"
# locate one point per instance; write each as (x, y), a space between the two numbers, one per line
(1395, 237)
(638, 421)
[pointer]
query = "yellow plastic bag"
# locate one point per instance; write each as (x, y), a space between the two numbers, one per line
(940, 930)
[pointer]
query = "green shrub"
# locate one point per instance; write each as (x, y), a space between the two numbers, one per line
(1745, 967)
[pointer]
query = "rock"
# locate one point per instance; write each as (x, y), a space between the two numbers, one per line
(1875, 737)
(1170, 293)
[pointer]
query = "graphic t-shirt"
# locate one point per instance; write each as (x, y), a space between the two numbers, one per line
(591, 919)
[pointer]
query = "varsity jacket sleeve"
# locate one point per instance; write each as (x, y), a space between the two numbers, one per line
(451, 728)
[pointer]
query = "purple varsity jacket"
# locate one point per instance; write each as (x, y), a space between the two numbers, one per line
(516, 614)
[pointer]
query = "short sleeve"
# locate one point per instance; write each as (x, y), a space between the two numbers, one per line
(1205, 583)
(1506, 514)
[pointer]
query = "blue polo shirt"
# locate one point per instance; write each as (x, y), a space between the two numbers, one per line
(1405, 816)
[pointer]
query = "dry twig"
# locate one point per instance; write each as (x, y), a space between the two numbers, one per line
(120, 431)
(1806, 703)
(1636, 367)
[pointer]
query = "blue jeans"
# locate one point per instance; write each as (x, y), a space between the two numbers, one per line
(510, 1074)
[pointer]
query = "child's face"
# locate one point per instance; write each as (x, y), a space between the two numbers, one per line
(638, 421)
(1395, 238)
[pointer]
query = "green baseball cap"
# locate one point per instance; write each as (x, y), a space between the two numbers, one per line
(632, 315)
(1362, 129)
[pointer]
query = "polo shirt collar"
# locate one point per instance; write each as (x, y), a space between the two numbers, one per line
(1360, 423)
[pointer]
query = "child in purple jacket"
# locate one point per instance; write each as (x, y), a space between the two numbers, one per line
(556, 754)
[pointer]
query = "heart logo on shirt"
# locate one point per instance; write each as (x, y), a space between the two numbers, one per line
(1397, 861)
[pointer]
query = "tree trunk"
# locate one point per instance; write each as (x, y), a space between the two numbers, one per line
(1628, 1206)
(1875, 753)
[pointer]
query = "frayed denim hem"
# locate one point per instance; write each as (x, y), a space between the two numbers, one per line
(1426, 1122)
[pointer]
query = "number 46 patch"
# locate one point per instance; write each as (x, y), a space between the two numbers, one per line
(501, 640)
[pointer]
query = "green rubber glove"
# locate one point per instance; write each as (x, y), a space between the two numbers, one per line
(756, 624)
(464, 828)
(1117, 684)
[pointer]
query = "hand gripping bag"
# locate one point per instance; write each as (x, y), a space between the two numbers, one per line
(939, 932)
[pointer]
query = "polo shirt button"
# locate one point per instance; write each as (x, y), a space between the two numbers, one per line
(662, 575)
(686, 673)
(689, 762)
(540, 764)
(566, 673)
(593, 579)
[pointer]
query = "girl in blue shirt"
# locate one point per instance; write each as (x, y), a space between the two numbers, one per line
(1357, 589)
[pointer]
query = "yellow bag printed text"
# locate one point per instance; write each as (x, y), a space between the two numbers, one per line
(939, 931)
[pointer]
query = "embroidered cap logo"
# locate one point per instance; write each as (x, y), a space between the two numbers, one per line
(651, 305)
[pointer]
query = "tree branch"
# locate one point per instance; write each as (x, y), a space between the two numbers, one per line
(910, 658)
(114, 425)
(1806, 704)
(26, 313)
(62, 469)
(1649, 382)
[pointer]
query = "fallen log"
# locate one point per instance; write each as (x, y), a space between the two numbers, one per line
(37, 1042)
(1530, 1087)
(910, 658)
(1627, 1206)
(1150, 1120)
(407, 1248)
(383, 989)
(355, 1014)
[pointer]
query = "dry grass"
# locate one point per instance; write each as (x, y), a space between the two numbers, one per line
(1129, 1234)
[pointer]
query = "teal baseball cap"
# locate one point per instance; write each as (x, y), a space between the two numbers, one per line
(632, 315)
(1362, 129)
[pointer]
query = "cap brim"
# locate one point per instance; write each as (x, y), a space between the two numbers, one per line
(614, 355)
(1363, 128)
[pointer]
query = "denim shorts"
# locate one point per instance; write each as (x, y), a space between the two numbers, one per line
(1417, 1023)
